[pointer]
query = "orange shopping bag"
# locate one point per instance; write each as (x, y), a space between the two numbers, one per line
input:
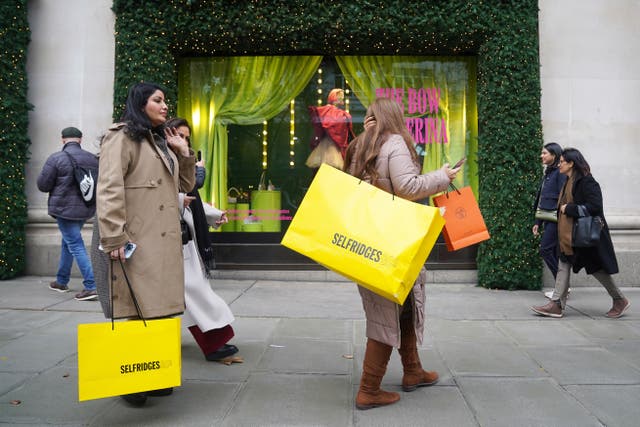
(464, 225)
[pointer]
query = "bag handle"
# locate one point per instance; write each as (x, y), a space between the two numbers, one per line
(73, 161)
(262, 183)
(582, 210)
(133, 295)
(452, 185)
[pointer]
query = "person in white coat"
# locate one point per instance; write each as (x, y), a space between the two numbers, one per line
(207, 316)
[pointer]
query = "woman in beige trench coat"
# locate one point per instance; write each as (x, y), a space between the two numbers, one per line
(143, 167)
(384, 155)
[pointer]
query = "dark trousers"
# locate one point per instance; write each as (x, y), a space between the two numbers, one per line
(549, 246)
(212, 340)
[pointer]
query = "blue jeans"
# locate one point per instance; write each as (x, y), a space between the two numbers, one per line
(73, 247)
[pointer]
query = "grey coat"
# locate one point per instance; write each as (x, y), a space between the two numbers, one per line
(399, 175)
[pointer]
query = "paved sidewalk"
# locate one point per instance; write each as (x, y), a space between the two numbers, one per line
(500, 364)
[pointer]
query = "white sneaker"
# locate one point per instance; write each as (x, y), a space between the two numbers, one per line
(549, 294)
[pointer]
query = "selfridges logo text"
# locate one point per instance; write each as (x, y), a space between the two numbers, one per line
(356, 247)
(139, 367)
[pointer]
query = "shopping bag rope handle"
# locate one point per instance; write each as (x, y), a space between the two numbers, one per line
(133, 295)
(451, 184)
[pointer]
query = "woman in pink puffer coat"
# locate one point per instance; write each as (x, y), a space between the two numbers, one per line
(384, 155)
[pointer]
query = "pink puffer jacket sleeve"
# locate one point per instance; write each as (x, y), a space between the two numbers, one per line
(398, 174)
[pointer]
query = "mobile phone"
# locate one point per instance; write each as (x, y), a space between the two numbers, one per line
(460, 162)
(129, 248)
(199, 155)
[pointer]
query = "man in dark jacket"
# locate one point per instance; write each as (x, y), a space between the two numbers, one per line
(69, 209)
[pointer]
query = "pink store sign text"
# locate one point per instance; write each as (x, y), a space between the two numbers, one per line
(422, 101)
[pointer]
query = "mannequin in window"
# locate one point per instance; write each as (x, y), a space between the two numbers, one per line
(332, 129)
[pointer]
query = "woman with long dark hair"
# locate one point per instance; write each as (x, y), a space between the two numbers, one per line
(384, 155)
(143, 167)
(207, 316)
(546, 205)
(582, 190)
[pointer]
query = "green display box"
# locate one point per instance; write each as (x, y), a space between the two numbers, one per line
(242, 212)
(265, 205)
(231, 213)
(252, 227)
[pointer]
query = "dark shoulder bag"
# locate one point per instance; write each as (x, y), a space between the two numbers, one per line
(86, 179)
(586, 229)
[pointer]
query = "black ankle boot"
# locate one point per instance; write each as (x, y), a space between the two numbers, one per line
(160, 392)
(224, 351)
(135, 399)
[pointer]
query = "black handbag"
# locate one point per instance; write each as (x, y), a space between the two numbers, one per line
(184, 231)
(586, 229)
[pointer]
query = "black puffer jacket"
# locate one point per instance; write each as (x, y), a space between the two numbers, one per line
(57, 179)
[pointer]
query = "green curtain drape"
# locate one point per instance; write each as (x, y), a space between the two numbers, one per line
(456, 79)
(215, 92)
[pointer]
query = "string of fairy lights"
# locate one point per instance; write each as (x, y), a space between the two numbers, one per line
(265, 139)
(346, 95)
(292, 138)
(292, 133)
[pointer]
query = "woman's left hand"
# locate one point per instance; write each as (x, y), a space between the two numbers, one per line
(187, 200)
(369, 122)
(177, 142)
(223, 219)
(451, 173)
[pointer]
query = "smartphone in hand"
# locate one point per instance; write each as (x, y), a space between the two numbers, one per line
(199, 155)
(129, 248)
(459, 163)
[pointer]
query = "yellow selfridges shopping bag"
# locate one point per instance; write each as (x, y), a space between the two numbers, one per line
(378, 240)
(129, 358)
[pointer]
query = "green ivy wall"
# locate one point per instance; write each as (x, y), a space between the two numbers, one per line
(14, 141)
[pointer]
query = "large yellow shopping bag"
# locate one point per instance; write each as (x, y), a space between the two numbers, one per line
(129, 358)
(465, 225)
(116, 358)
(363, 233)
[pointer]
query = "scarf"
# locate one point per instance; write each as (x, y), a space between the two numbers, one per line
(565, 223)
(201, 227)
(161, 143)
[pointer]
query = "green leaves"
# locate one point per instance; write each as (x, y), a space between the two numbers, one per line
(14, 142)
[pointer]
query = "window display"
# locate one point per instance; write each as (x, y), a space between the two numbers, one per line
(260, 122)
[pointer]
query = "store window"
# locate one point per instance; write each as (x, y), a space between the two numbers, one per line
(259, 121)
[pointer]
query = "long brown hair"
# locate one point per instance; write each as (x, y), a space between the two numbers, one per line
(364, 150)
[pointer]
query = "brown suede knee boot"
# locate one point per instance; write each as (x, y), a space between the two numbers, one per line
(414, 376)
(374, 366)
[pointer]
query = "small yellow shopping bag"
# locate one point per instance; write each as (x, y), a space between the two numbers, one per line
(364, 233)
(129, 358)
